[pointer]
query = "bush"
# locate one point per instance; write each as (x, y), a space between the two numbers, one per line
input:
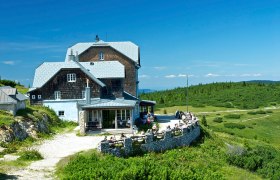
(30, 155)
(261, 112)
(8, 83)
(260, 159)
(252, 112)
(218, 119)
(228, 105)
(269, 111)
(234, 125)
(233, 116)
(203, 121)
(164, 111)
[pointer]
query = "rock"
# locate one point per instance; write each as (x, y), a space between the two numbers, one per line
(23, 128)
(10, 157)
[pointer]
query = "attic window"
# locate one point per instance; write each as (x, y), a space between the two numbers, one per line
(71, 77)
(39, 97)
(101, 55)
(33, 96)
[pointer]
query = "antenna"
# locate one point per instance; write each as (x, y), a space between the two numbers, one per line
(187, 97)
(106, 37)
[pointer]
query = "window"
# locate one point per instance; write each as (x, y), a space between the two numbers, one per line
(71, 77)
(60, 113)
(33, 96)
(83, 94)
(39, 96)
(101, 55)
(123, 114)
(57, 95)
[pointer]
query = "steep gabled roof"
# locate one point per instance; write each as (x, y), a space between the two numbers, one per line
(103, 69)
(9, 90)
(48, 69)
(6, 99)
(126, 48)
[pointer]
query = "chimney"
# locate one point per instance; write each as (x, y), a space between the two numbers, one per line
(71, 57)
(77, 56)
(87, 93)
(96, 38)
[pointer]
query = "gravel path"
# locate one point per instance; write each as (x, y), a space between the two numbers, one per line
(53, 151)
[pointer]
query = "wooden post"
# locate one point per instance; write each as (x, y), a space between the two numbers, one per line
(101, 121)
(82, 122)
(131, 119)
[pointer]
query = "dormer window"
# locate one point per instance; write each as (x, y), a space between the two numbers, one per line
(101, 55)
(71, 77)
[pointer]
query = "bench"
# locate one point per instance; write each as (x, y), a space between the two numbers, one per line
(92, 125)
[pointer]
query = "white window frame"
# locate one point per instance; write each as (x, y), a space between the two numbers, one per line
(62, 113)
(71, 77)
(101, 55)
(33, 97)
(39, 96)
(57, 95)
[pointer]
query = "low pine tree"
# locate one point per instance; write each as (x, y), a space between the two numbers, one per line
(203, 121)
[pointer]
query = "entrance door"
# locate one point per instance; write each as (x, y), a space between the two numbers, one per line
(108, 119)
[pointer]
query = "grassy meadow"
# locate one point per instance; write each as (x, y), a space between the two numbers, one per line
(239, 139)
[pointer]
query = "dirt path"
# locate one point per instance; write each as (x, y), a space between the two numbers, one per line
(53, 151)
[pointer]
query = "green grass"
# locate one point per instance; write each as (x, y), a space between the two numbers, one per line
(22, 89)
(203, 160)
(195, 110)
(30, 155)
(6, 118)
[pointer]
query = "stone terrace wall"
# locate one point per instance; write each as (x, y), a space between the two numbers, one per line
(189, 134)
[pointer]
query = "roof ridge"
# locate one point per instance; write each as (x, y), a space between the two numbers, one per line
(89, 74)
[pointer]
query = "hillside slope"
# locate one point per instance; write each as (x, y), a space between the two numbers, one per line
(245, 95)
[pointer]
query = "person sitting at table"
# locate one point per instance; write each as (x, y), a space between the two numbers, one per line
(168, 127)
(128, 124)
(123, 136)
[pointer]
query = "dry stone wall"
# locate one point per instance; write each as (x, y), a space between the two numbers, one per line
(189, 134)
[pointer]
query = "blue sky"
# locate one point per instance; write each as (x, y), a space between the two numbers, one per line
(211, 41)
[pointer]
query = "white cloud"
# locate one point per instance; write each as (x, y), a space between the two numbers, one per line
(182, 75)
(9, 62)
(171, 76)
(144, 76)
(211, 75)
(251, 75)
(159, 68)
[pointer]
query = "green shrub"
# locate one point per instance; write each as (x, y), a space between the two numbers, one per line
(261, 112)
(232, 116)
(8, 83)
(164, 111)
(203, 121)
(252, 112)
(234, 125)
(218, 119)
(30, 155)
(269, 111)
(228, 105)
(260, 159)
